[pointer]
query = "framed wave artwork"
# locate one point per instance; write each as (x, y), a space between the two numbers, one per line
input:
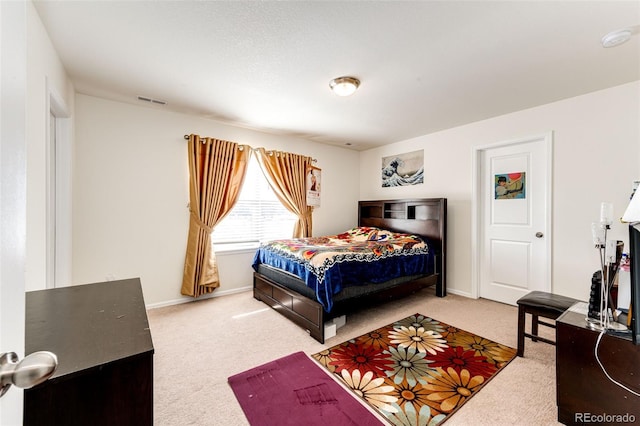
(403, 169)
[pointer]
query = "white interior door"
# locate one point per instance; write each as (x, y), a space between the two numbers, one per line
(13, 193)
(514, 215)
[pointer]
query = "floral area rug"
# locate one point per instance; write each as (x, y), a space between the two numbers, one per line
(416, 371)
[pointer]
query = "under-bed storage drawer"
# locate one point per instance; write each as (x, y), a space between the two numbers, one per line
(312, 312)
(305, 312)
(263, 287)
(282, 297)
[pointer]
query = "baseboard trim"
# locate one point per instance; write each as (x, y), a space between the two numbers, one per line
(217, 293)
(460, 293)
(250, 288)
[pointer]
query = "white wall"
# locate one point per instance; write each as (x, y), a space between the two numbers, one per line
(45, 76)
(596, 156)
(130, 216)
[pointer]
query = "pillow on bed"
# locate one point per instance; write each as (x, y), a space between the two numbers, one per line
(384, 235)
(369, 233)
(363, 233)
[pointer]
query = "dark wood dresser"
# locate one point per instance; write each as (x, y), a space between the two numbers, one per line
(101, 336)
(584, 393)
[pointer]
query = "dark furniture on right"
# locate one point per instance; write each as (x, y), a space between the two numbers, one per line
(583, 390)
(539, 304)
(101, 337)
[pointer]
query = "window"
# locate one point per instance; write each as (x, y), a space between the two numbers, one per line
(257, 216)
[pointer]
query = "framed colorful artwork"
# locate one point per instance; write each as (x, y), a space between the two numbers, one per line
(510, 186)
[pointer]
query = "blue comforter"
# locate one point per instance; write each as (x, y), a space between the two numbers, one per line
(358, 256)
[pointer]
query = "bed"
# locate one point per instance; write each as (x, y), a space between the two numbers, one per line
(408, 237)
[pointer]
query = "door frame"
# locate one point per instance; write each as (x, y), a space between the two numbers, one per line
(476, 211)
(59, 192)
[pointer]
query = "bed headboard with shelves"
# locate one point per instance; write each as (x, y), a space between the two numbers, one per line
(426, 217)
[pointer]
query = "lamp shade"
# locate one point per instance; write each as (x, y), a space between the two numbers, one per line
(606, 213)
(632, 214)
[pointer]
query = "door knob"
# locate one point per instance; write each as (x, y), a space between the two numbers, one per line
(539, 235)
(34, 369)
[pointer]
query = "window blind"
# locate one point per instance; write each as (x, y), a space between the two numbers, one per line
(257, 216)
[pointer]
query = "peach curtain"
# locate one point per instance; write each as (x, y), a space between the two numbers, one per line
(216, 173)
(286, 174)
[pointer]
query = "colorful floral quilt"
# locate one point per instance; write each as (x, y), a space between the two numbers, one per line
(357, 256)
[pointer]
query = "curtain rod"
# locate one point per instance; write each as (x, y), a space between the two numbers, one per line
(312, 160)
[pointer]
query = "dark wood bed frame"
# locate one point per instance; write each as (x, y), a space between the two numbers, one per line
(426, 217)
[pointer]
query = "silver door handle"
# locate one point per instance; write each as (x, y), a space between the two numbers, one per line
(539, 235)
(34, 369)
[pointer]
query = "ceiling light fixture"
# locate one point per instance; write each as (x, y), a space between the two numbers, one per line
(344, 86)
(616, 38)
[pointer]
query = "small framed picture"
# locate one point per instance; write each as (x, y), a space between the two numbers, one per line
(314, 175)
(510, 186)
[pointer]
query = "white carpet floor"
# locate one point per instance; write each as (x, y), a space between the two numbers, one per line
(198, 345)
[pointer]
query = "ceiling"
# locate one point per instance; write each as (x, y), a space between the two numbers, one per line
(425, 66)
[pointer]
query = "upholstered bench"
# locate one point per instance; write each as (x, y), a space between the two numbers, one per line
(539, 304)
